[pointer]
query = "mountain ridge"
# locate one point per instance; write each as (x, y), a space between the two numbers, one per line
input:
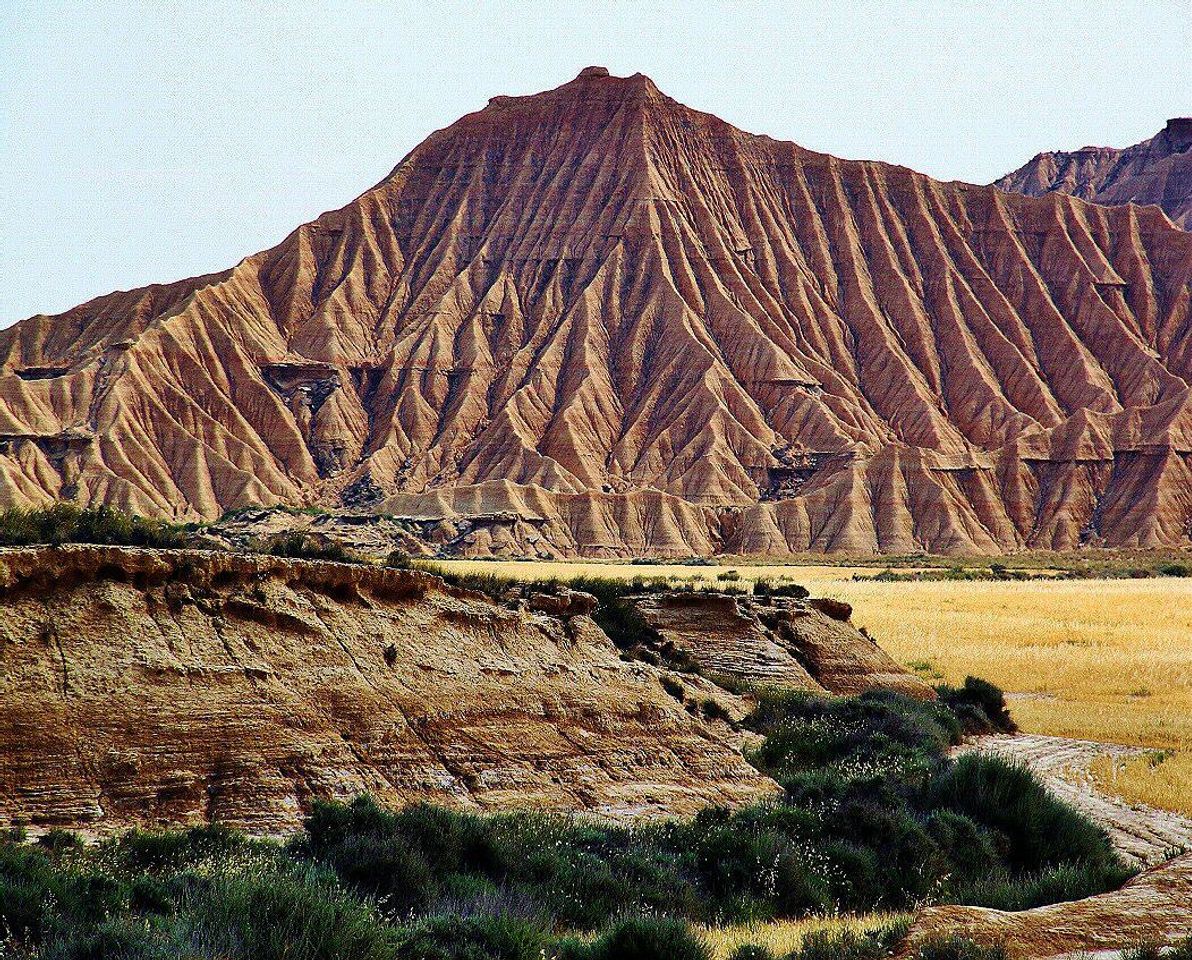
(1156, 171)
(617, 325)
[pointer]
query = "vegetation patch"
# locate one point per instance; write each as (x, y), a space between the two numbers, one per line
(65, 523)
(874, 816)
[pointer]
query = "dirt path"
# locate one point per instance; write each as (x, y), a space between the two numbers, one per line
(1143, 835)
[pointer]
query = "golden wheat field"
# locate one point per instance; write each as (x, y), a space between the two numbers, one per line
(1106, 660)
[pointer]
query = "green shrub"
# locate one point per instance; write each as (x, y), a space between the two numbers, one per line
(1036, 828)
(299, 546)
(277, 916)
(956, 947)
(979, 706)
(473, 938)
(649, 938)
(764, 588)
(66, 523)
(843, 945)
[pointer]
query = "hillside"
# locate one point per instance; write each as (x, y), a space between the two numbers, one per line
(178, 686)
(594, 321)
(1158, 171)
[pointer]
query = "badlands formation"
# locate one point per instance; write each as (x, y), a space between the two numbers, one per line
(594, 321)
(1158, 171)
(178, 686)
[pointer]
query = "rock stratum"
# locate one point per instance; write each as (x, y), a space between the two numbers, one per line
(596, 322)
(1153, 908)
(178, 686)
(1158, 171)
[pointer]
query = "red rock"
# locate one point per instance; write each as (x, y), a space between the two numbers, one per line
(594, 321)
(1158, 171)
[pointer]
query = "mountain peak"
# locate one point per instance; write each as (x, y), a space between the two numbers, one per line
(592, 320)
(1156, 171)
(1179, 132)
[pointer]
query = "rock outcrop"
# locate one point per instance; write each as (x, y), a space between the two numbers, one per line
(594, 321)
(1158, 171)
(1151, 908)
(776, 641)
(161, 687)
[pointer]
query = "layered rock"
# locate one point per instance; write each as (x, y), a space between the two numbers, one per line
(180, 686)
(1158, 171)
(594, 321)
(1151, 908)
(776, 641)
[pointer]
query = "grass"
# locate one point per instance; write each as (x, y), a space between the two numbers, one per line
(65, 523)
(782, 937)
(1145, 779)
(1106, 660)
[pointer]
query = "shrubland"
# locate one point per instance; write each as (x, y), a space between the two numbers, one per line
(874, 816)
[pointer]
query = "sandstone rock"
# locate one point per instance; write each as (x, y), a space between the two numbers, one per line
(1158, 171)
(776, 641)
(594, 321)
(163, 687)
(1156, 906)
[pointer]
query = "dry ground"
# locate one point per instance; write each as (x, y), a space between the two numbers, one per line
(783, 936)
(1104, 660)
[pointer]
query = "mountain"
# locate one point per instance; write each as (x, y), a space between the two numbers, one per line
(1158, 171)
(595, 321)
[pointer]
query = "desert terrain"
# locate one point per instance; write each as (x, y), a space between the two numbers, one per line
(616, 536)
(1101, 660)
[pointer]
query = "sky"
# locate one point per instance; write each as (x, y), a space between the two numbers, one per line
(149, 141)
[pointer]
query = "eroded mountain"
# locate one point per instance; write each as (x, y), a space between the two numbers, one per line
(595, 321)
(1158, 171)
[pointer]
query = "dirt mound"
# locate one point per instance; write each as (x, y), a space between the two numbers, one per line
(594, 321)
(1158, 171)
(143, 686)
(1154, 907)
(776, 640)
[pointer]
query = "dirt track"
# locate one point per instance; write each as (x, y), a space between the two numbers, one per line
(1142, 834)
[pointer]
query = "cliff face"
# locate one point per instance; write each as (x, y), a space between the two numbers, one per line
(776, 641)
(1158, 171)
(594, 321)
(1151, 908)
(161, 687)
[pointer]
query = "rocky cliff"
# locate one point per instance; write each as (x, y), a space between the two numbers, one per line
(1153, 908)
(1158, 171)
(179, 686)
(594, 321)
(777, 641)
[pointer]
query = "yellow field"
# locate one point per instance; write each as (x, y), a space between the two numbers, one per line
(1107, 660)
(783, 936)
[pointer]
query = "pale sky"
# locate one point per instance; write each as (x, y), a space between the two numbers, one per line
(150, 141)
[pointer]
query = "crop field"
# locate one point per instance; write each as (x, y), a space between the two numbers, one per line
(1097, 659)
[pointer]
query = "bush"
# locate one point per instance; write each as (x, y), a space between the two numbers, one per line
(472, 938)
(66, 523)
(649, 938)
(299, 546)
(955, 947)
(1037, 830)
(764, 588)
(979, 706)
(846, 945)
(282, 917)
